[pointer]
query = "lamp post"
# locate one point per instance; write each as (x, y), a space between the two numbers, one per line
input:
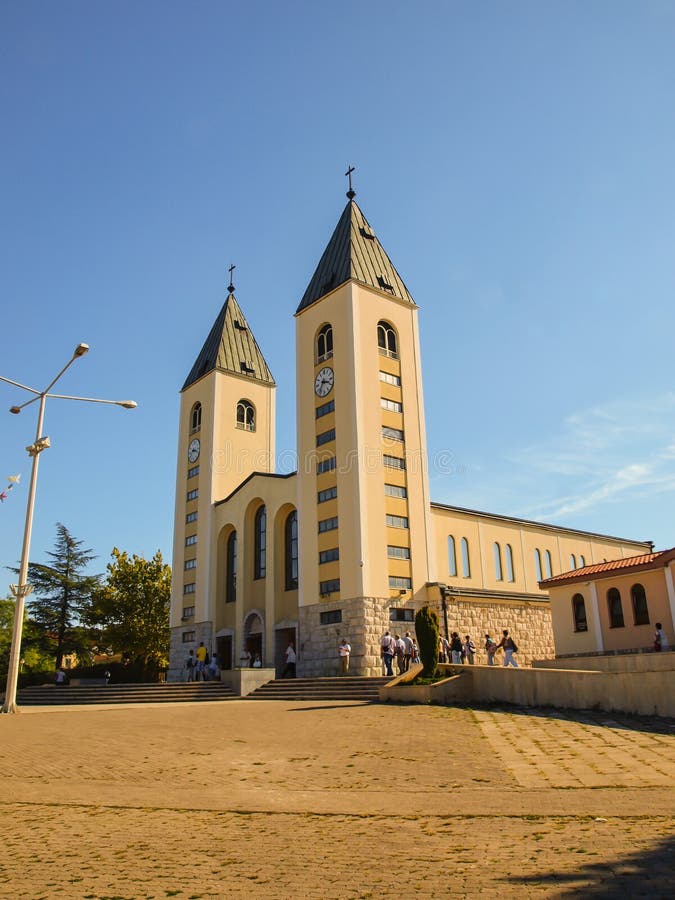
(22, 589)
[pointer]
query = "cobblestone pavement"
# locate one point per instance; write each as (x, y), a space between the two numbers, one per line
(334, 800)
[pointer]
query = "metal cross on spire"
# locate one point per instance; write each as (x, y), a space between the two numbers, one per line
(351, 193)
(230, 286)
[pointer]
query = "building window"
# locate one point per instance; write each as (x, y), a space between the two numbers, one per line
(537, 564)
(329, 494)
(190, 540)
(324, 343)
(188, 612)
(397, 521)
(325, 437)
(398, 583)
(497, 550)
(330, 587)
(400, 614)
(260, 550)
(640, 608)
(452, 556)
(582, 562)
(189, 588)
(291, 551)
(579, 613)
(615, 608)
(190, 564)
(192, 495)
(196, 418)
(466, 562)
(326, 556)
(333, 616)
(392, 434)
(193, 471)
(325, 465)
(393, 462)
(395, 490)
(386, 340)
(324, 409)
(328, 524)
(190, 517)
(188, 637)
(245, 415)
(231, 569)
(510, 571)
(394, 552)
(391, 405)
(549, 564)
(388, 378)
(573, 561)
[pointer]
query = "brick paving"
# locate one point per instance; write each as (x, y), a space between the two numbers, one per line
(334, 800)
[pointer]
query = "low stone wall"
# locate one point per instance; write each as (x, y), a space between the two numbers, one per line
(638, 693)
(622, 662)
(244, 681)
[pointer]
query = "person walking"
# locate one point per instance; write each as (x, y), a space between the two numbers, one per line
(660, 639)
(469, 650)
(190, 666)
(408, 641)
(202, 653)
(344, 649)
(490, 649)
(456, 648)
(388, 651)
(509, 646)
(291, 659)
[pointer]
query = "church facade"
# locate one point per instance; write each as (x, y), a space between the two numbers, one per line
(351, 544)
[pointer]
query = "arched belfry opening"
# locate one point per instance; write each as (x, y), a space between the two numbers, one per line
(254, 635)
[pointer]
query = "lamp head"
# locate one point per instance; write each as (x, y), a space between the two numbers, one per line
(128, 404)
(15, 409)
(81, 349)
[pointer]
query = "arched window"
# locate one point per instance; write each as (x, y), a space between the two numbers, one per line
(291, 550)
(196, 417)
(579, 613)
(640, 609)
(231, 569)
(537, 564)
(452, 557)
(615, 608)
(548, 563)
(510, 571)
(466, 562)
(573, 561)
(497, 550)
(324, 343)
(260, 535)
(582, 562)
(245, 415)
(386, 340)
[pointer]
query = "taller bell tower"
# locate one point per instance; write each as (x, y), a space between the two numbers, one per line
(226, 432)
(363, 494)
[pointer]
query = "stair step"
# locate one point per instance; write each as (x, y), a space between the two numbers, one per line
(124, 693)
(320, 689)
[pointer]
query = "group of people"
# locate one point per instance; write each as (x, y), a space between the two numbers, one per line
(201, 666)
(402, 649)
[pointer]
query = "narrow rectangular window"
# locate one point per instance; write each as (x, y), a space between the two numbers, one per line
(395, 490)
(394, 552)
(325, 465)
(188, 612)
(388, 378)
(188, 637)
(393, 462)
(399, 614)
(189, 588)
(333, 616)
(325, 408)
(193, 471)
(190, 540)
(325, 437)
(329, 494)
(395, 582)
(326, 556)
(392, 434)
(190, 517)
(391, 405)
(192, 495)
(328, 524)
(190, 564)
(397, 521)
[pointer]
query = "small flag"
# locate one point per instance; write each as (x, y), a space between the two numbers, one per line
(12, 479)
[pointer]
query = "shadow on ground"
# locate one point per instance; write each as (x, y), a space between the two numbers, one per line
(621, 721)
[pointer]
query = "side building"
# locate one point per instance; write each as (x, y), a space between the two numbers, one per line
(349, 545)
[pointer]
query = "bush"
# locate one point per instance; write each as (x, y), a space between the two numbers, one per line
(428, 632)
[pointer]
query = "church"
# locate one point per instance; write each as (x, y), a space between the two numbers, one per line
(351, 544)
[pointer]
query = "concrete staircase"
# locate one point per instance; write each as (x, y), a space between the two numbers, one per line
(67, 695)
(346, 688)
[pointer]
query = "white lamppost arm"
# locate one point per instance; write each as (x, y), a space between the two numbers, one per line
(41, 443)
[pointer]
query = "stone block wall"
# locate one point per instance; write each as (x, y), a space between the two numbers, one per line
(178, 650)
(365, 620)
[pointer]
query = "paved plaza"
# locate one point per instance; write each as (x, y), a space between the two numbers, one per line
(334, 800)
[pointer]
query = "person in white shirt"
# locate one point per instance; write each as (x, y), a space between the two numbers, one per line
(344, 649)
(660, 639)
(291, 659)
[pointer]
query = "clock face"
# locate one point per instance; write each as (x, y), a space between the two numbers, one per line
(323, 383)
(193, 450)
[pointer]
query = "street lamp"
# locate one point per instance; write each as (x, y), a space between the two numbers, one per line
(22, 589)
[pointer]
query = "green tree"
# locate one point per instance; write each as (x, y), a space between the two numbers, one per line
(428, 632)
(131, 609)
(61, 593)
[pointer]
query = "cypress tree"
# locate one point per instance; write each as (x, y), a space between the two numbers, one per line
(428, 631)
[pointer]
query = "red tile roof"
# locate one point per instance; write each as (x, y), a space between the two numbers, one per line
(604, 569)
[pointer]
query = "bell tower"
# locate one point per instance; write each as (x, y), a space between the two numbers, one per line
(363, 494)
(226, 432)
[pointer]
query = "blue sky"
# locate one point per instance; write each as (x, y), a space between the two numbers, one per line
(515, 160)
